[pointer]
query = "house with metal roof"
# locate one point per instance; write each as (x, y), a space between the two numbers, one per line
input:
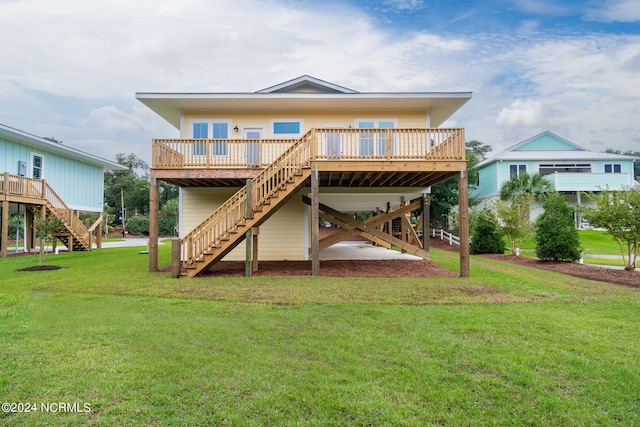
(266, 165)
(571, 168)
(43, 177)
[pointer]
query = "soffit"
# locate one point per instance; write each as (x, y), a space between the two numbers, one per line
(171, 106)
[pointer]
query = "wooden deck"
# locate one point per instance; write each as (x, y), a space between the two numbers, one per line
(37, 194)
(345, 158)
(269, 172)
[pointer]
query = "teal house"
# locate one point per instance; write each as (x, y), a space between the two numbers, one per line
(572, 169)
(40, 177)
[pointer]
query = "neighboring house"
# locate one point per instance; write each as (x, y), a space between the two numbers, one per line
(42, 176)
(571, 169)
(303, 149)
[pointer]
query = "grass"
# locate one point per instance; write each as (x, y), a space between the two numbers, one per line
(592, 242)
(508, 346)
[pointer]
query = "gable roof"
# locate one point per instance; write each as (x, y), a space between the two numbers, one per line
(554, 147)
(304, 93)
(306, 83)
(25, 138)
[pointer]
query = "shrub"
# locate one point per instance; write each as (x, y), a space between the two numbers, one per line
(486, 238)
(138, 225)
(556, 233)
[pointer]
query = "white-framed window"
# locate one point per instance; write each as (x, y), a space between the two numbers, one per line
(374, 143)
(37, 166)
(286, 128)
(517, 170)
(562, 167)
(210, 129)
(612, 168)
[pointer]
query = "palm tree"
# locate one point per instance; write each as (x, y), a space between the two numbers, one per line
(523, 188)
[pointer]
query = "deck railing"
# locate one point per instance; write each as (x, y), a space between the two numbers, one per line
(15, 185)
(336, 144)
(225, 220)
(21, 186)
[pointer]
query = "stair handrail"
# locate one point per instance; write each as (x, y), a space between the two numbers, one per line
(223, 221)
(76, 226)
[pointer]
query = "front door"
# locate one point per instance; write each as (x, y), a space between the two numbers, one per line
(253, 148)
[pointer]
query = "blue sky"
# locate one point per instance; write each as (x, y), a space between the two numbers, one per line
(70, 68)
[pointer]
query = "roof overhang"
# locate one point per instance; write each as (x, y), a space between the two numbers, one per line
(170, 106)
(53, 147)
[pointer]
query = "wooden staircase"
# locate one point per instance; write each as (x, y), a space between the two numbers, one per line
(251, 206)
(76, 236)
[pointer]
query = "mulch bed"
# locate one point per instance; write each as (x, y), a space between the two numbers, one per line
(403, 268)
(41, 268)
(335, 268)
(602, 274)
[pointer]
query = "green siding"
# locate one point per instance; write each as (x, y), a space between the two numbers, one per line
(79, 184)
(488, 182)
(626, 165)
(547, 142)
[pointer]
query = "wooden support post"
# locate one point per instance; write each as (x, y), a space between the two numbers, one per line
(426, 214)
(175, 258)
(99, 236)
(249, 210)
(4, 239)
(463, 206)
(153, 223)
(315, 223)
(249, 252)
(254, 256)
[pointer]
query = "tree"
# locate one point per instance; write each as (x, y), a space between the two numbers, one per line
(445, 194)
(618, 212)
(514, 223)
(127, 184)
(523, 188)
(556, 233)
(487, 237)
(45, 226)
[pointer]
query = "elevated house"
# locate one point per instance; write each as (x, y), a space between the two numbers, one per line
(265, 166)
(42, 177)
(572, 169)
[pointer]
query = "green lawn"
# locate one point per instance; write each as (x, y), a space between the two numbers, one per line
(592, 242)
(508, 346)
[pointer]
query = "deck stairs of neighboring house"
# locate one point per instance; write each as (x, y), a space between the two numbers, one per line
(251, 206)
(75, 236)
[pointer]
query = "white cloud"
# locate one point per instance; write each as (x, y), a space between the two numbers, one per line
(405, 5)
(96, 55)
(113, 120)
(522, 113)
(616, 11)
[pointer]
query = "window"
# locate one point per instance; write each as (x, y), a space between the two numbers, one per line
(200, 131)
(517, 169)
(37, 165)
(549, 168)
(218, 129)
(374, 143)
(612, 168)
(288, 127)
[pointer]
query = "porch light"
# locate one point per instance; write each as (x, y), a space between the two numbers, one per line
(236, 128)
